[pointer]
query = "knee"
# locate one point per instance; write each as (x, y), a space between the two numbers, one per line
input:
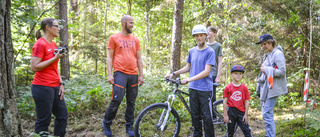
(247, 132)
(267, 115)
(62, 118)
(207, 117)
(44, 120)
(114, 104)
(131, 102)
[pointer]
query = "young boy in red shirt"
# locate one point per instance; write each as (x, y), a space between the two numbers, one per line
(236, 103)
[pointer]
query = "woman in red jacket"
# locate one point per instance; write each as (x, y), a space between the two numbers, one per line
(47, 85)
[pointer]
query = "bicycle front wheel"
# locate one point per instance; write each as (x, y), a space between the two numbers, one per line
(156, 121)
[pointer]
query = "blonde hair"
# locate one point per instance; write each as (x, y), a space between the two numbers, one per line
(272, 41)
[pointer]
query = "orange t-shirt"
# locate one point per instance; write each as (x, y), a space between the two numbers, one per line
(48, 76)
(125, 53)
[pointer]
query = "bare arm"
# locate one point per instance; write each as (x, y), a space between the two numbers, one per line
(110, 65)
(225, 110)
(185, 69)
(201, 75)
(37, 65)
(140, 68)
(245, 117)
(217, 80)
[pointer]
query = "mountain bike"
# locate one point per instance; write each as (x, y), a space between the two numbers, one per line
(162, 120)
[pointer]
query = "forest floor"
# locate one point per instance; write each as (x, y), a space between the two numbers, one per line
(90, 126)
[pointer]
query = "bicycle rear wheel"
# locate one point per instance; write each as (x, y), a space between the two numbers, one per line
(220, 127)
(150, 120)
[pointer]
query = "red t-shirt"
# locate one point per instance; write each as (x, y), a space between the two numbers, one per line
(48, 76)
(236, 96)
(125, 53)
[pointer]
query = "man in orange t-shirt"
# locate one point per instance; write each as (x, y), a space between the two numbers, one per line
(124, 57)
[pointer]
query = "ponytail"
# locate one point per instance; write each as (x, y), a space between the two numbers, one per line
(38, 34)
(44, 23)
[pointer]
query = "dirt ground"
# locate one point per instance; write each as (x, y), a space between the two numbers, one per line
(91, 126)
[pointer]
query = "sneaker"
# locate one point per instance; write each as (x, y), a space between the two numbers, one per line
(107, 130)
(129, 130)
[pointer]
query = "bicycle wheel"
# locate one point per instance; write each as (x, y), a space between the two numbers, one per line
(220, 127)
(150, 121)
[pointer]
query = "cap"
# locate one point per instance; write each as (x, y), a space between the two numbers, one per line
(264, 37)
(237, 68)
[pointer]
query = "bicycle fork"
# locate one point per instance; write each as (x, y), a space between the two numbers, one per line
(165, 114)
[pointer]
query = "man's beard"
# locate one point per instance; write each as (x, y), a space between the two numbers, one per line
(127, 29)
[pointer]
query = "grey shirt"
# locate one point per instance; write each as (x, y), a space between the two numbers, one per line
(217, 47)
(276, 59)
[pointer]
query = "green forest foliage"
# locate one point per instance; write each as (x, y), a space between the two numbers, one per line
(240, 23)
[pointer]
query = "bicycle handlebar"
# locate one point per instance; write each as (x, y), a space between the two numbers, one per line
(177, 81)
(216, 84)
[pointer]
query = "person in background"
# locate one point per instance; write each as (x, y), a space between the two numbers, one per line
(217, 47)
(199, 64)
(47, 86)
(272, 81)
(125, 59)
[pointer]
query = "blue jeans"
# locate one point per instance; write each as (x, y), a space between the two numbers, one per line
(48, 102)
(267, 109)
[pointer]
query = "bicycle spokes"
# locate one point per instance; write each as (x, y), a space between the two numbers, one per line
(157, 121)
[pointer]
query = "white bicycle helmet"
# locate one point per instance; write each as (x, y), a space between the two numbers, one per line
(198, 29)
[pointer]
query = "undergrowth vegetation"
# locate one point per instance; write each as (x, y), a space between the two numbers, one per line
(88, 96)
(298, 127)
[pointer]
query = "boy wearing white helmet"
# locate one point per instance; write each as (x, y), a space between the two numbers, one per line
(200, 60)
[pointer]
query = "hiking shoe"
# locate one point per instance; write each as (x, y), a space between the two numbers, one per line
(129, 130)
(107, 130)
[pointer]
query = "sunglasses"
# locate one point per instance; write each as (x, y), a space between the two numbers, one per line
(57, 26)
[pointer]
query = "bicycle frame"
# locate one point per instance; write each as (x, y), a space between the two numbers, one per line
(172, 97)
(178, 92)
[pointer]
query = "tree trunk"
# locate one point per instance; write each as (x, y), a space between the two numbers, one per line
(176, 35)
(147, 30)
(74, 19)
(64, 62)
(105, 37)
(129, 7)
(9, 117)
(202, 3)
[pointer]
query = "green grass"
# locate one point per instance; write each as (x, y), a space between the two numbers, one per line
(87, 98)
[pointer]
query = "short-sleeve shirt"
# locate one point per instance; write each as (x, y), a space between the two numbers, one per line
(217, 47)
(48, 76)
(125, 53)
(198, 60)
(236, 96)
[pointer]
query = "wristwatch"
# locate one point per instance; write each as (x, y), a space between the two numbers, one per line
(173, 74)
(62, 83)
